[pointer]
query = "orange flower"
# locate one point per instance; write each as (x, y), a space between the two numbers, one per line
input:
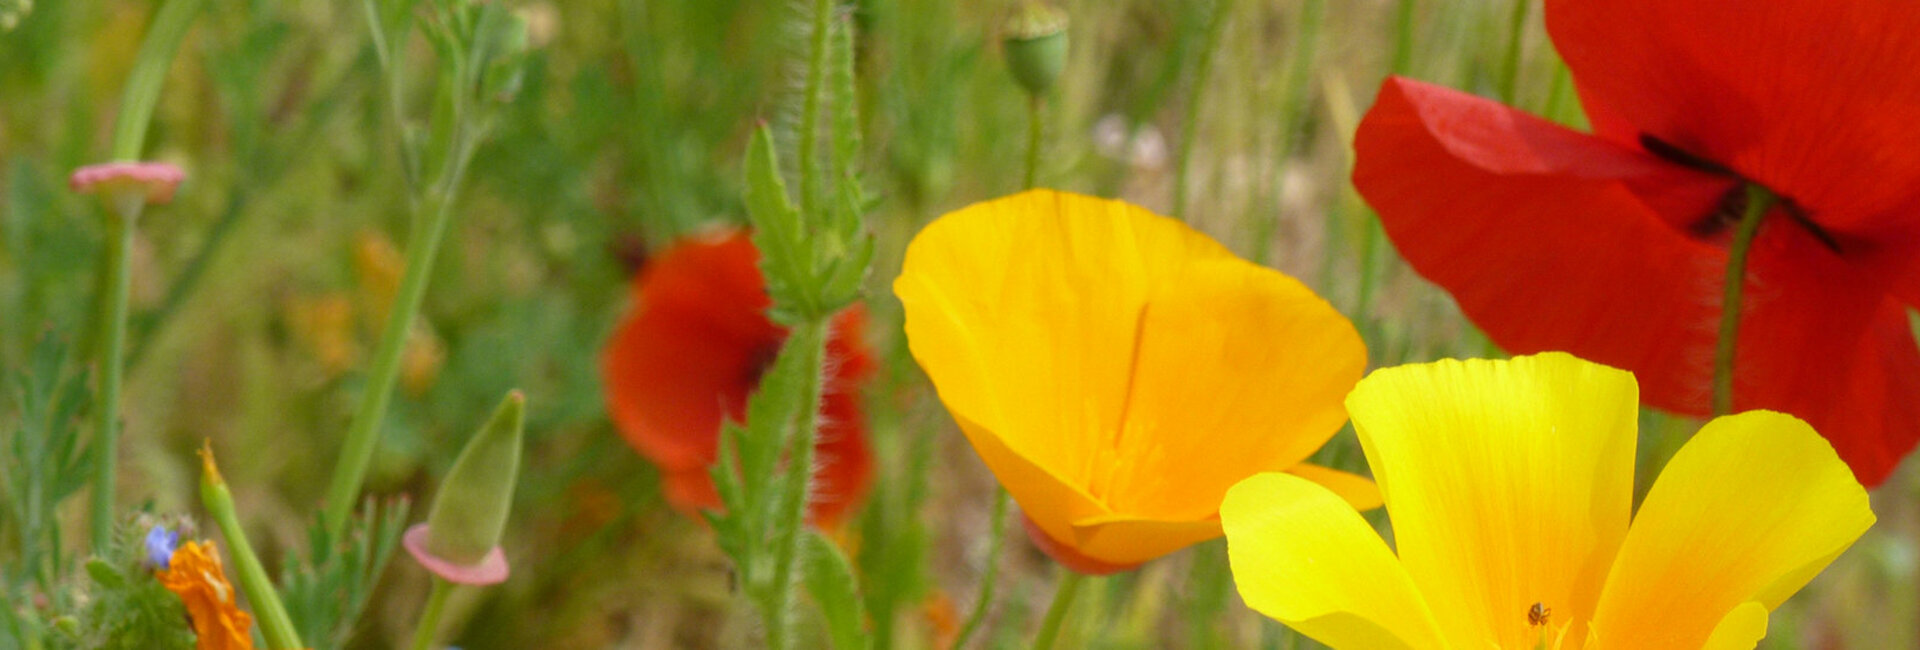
(693, 350)
(1118, 370)
(194, 573)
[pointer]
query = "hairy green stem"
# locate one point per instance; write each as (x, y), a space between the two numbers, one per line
(1759, 201)
(790, 525)
(423, 246)
(995, 544)
(809, 154)
(149, 70)
(1196, 88)
(112, 339)
(275, 624)
(430, 619)
(1070, 581)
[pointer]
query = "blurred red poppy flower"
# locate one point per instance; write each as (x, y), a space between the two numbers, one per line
(1613, 245)
(691, 352)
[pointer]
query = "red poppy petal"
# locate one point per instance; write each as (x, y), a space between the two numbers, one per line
(1552, 240)
(1818, 100)
(670, 380)
(842, 459)
(693, 351)
(1891, 253)
(1541, 250)
(1823, 341)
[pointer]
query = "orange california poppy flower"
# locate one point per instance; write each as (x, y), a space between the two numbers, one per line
(195, 574)
(691, 352)
(1118, 370)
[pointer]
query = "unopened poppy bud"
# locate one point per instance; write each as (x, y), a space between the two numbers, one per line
(1036, 45)
(470, 511)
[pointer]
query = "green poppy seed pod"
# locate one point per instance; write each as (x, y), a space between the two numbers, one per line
(1036, 45)
(470, 511)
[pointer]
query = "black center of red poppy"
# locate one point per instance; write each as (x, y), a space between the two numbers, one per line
(1733, 203)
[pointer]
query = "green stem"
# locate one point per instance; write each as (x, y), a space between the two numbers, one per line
(275, 624)
(1036, 132)
(126, 206)
(789, 527)
(137, 100)
(1403, 37)
(992, 574)
(1510, 66)
(149, 70)
(1759, 201)
(423, 246)
(1070, 581)
(430, 619)
(810, 110)
(1190, 123)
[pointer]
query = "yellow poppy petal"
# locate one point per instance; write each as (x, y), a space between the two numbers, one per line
(1240, 370)
(1050, 502)
(1359, 491)
(1304, 557)
(1509, 483)
(1116, 369)
(1749, 510)
(1024, 311)
(1742, 629)
(1124, 540)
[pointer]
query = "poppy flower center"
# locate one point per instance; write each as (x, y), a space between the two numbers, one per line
(1726, 213)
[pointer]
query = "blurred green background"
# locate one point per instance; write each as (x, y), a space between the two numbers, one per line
(258, 294)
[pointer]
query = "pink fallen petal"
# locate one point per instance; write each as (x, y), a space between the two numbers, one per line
(491, 569)
(157, 178)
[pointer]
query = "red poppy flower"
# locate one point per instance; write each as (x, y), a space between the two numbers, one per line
(693, 350)
(1614, 245)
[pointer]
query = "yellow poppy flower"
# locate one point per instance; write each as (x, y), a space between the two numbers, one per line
(1118, 371)
(1510, 488)
(195, 574)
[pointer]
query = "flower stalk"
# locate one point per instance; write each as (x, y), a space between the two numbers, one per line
(1759, 200)
(275, 624)
(113, 340)
(1063, 595)
(137, 101)
(351, 471)
(996, 543)
(430, 619)
(810, 339)
(150, 65)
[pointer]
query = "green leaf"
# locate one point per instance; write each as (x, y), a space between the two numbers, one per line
(785, 259)
(830, 579)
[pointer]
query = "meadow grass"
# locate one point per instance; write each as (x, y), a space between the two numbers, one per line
(259, 295)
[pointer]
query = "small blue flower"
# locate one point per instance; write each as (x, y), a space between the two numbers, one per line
(160, 545)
